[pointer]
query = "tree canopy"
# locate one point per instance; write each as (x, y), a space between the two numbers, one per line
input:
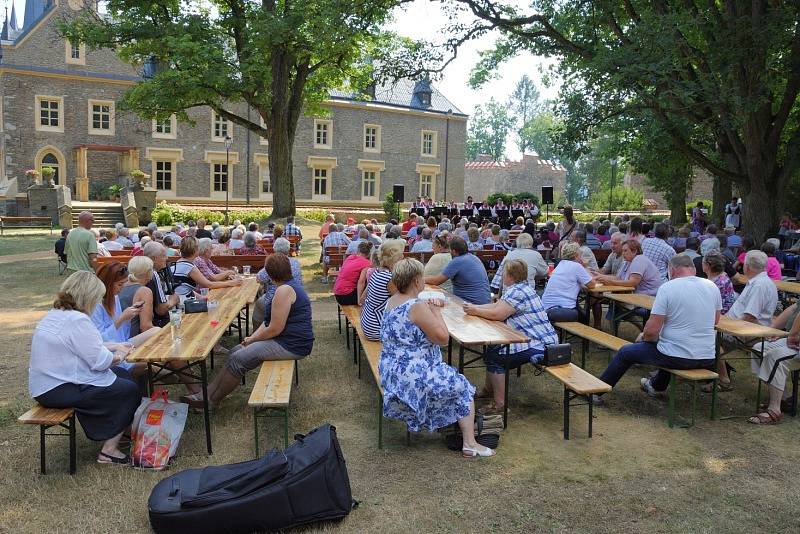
(488, 129)
(730, 70)
(279, 58)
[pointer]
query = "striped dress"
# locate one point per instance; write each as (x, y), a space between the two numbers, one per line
(375, 303)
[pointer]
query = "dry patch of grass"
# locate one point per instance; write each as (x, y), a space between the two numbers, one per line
(635, 475)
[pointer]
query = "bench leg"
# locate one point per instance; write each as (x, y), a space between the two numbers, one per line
(671, 402)
(339, 318)
(247, 319)
(566, 413)
(505, 401)
(285, 427)
(758, 395)
(255, 429)
(694, 399)
(347, 331)
(461, 358)
(42, 450)
(380, 420)
(713, 399)
(591, 406)
(206, 401)
(584, 346)
(795, 377)
(211, 357)
(357, 348)
(296, 374)
(73, 453)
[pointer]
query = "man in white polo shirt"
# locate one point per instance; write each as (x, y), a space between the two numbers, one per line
(680, 332)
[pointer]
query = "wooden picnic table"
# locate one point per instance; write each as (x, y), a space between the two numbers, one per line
(636, 299)
(598, 293)
(788, 287)
(198, 339)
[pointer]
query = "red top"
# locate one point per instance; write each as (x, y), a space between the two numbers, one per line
(408, 225)
(351, 269)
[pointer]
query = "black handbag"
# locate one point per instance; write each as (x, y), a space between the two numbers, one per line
(195, 306)
(560, 354)
(306, 483)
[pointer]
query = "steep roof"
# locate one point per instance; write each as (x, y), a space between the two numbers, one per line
(33, 10)
(402, 93)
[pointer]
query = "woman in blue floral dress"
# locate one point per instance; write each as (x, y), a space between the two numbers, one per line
(418, 387)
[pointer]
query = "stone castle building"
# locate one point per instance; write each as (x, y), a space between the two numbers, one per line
(485, 176)
(59, 108)
(702, 189)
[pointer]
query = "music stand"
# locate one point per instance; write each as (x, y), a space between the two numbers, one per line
(438, 212)
(467, 213)
(419, 211)
(517, 213)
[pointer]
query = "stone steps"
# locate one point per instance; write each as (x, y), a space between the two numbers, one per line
(106, 214)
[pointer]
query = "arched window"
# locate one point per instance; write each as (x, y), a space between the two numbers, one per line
(50, 160)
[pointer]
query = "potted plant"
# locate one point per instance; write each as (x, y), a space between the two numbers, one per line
(47, 174)
(113, 192)
(33, 175)
(138, 176)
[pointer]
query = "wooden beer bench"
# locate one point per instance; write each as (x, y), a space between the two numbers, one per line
(48, 418)
(577, 383)
(271, 393)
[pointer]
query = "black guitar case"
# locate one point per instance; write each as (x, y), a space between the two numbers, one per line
(307, 482)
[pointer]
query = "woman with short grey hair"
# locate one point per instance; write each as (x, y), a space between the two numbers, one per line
(205, 249)
(236, 238)
(280, 246)
(537, 267)
(250, 247)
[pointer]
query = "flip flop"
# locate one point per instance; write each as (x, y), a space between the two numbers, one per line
(766, 418)
(113, 460)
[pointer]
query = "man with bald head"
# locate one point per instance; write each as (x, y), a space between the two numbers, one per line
(81, 246)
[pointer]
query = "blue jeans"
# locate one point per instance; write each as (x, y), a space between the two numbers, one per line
(558, 314)
(497, 360)
(647, 353)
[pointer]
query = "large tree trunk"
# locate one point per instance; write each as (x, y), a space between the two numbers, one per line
(280, 172)
(722, 192)
(761, 209)
(677, 210)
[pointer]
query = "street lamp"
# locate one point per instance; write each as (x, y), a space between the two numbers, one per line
(228, 143)
(613, 162)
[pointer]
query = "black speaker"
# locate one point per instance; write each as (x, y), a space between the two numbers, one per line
(547, 194)
(398, 193)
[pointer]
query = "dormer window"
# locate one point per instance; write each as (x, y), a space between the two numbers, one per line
(425, 98)
(422, 93)
(74, 53)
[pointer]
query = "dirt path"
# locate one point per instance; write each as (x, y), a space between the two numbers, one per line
(42, 255)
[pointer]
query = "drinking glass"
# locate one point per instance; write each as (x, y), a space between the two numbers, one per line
(213, 312)
(175, 317)
(203, 293)
(246, 270)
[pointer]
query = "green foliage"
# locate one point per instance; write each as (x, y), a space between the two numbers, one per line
(97, 191)
(165, 214)
(526, 195)
(114, 189)
(390, 207)
(624, 198)
(488, 129)
(494, 197)
(317, 215)
(524, 104)
(707, 204)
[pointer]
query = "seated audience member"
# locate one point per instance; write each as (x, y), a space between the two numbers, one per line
(325, 229)
(537, 267)
(160, 284)
(335, 238)
(236, 239)
(222, 247)
(658, 250)
(615, 259)
(168, 243)
(425, 244)
(711, 231)
(111, 242)
(587, 256)
(679, 241)
(410, 223)
(280, 246)
(251, 247)
(71, 368)
(286, 334)
(519, 225)
(187, 276)
(773, 266)
(101, 248)
(292, 230)
(521, 309)
(637, 271)
(756, 304)
(725, 249)
(748, 244)
(269, 235)
(714, 268)
(781, 357)
(124, 238)
(734, 241)
(474, 242)
(202, 233)
(175, 234)
(375, 264)
(494, 236)
(635, 229)
(591, 239)
(680, 332)
(379, 288)
(207, 267)
(561, 293)
(418, 387)
(504, 242)
(253, 227)
(603, 234)
(361, 237)
(441, 257)
(466, 272)
(60, 244)
(345, 289)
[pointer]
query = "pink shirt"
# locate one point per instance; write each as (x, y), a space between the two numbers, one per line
(773, 267)
(351, 269)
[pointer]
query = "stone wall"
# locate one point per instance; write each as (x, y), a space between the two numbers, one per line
(702, 186)
(482, 178)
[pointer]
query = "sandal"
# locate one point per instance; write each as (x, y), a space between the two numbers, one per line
(721, 386)
(766, 418)
(485, 452)
(113, 460)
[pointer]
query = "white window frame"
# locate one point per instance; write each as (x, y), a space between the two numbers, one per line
(111, 117)
(434, 143)
(377, 148)
(328, 145)
(316, 162)
(262, 164)
(374, 166)
(157, 171)
(218, 157)
(173, 155)
(80, 60)
(215, 138)
(426, 169)
(173, 129)
(37, 113)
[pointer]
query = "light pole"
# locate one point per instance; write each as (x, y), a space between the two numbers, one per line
(228, 143)
(613, 162)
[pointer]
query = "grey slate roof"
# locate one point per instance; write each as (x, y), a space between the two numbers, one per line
(401, 94)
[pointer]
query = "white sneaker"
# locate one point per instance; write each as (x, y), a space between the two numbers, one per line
(597, 400)
(648, 388)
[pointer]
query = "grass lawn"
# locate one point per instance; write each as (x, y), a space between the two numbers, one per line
(635, 475)
(22, 242)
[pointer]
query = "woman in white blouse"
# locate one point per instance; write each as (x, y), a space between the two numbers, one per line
(70, 367)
